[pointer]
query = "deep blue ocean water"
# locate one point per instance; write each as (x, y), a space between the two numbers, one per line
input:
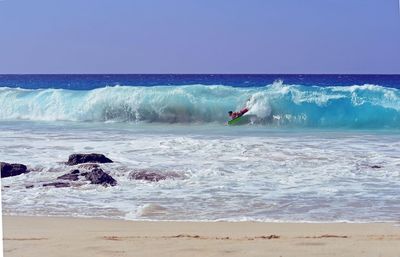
(87, 82)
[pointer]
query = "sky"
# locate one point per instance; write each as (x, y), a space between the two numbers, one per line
(200, 36)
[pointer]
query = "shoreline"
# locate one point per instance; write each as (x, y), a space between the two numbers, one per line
(394, 222)
(61, 236)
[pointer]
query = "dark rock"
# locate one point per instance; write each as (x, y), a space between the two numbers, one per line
(75, 172)
(98, 176)
(153, 176)
(57, 184)
(9, 170)
(89, 166)
(73, 175)
(75, 159)
(147, 175)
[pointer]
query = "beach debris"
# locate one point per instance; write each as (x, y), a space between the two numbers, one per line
(267, 237)
(14, 169)
(57, 184)
(98, 176)
(376, 166)
(153, 175)
(113, 238)
(194, 236)
(79, 158)
(185, 235)
(326, 236)
(332, 236)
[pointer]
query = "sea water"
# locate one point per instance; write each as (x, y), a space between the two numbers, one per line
(318, 148)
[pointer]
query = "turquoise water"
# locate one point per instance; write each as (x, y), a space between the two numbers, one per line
(275, 105)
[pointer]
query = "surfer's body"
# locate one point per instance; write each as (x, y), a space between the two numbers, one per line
(235, 115)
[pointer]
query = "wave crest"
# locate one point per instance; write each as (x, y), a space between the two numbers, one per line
(358, 106)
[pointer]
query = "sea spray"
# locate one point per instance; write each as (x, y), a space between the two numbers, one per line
(276, 105)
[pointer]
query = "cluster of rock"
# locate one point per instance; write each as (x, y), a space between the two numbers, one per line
(95, 175)
(87, 169)
(92, 171)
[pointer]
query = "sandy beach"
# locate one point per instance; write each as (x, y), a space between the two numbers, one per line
(45, 236)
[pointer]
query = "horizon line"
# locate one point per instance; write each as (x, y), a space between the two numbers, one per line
(389, 74)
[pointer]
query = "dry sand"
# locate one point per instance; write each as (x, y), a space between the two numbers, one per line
(44, 236)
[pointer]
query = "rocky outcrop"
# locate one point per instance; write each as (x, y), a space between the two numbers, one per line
(98, 176)
(153, 176)
(86, 162)
(9, 170)
(79, 158)
(95, 176)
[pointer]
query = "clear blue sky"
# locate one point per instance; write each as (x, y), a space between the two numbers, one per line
(199, 36)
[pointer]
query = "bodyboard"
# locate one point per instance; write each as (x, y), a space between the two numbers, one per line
(239, 120)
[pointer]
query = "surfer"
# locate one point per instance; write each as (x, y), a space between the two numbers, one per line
(235, 115)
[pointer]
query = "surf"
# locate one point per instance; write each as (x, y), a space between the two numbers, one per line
(275, 105)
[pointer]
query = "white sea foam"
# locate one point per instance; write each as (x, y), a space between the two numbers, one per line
(244, 173)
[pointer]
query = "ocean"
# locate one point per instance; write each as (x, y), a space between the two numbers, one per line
(316, 148)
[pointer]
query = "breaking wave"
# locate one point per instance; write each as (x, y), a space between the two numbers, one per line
(279, 105)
